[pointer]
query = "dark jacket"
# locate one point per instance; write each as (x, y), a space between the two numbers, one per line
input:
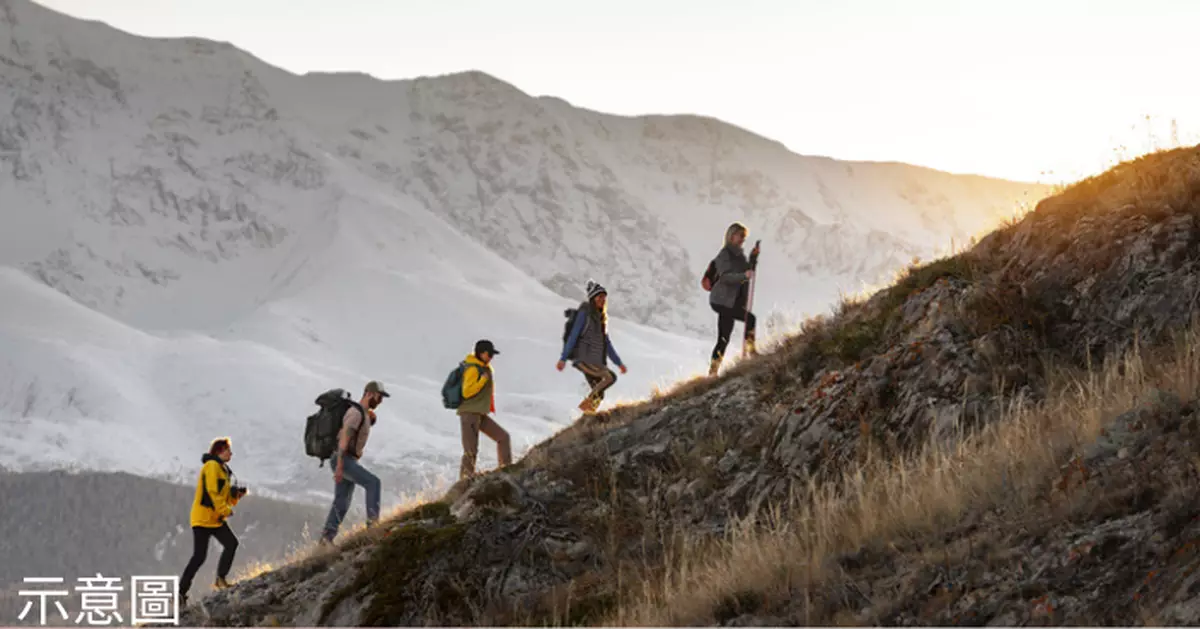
(731, 266)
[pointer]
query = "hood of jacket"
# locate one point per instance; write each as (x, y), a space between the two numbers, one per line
(212, 457)
(472, 359)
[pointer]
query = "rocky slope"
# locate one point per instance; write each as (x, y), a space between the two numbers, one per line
(570, 533)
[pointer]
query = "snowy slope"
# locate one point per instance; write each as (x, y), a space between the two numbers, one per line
(194, 243)
(561, 191)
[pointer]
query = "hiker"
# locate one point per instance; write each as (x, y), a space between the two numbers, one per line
(479, 400)
(217, 492)
(347, 468)
(590, 347)
(729, 293)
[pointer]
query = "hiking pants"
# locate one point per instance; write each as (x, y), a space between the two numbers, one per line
(200, 537)
(725, 319)
(353, 473)
(599, 378)
(472, 425)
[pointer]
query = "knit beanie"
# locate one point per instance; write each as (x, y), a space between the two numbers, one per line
(594, 289)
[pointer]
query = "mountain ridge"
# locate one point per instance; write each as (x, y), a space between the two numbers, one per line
(479, 84)
(235, 239)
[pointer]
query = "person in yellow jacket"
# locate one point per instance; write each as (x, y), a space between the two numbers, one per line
(479, 401)
(216, 494)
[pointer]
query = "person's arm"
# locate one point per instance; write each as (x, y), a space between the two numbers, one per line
(473, 381)
(351, 421)
(233, 500)
(612, 353)
(576, 330)
(220, 504)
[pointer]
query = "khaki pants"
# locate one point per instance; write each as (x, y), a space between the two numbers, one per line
(472, 425)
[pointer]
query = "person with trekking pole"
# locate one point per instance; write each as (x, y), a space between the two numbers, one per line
(731, 288)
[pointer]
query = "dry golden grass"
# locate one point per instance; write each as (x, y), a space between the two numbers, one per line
(302, 550)
(1011, 462)
(350, 537)
(1157, 182)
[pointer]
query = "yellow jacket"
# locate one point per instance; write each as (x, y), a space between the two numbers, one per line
(212, 503)
(475, 381)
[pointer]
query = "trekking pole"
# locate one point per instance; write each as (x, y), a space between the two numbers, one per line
(748, 336)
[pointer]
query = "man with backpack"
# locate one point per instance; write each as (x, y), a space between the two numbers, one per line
(347, 469)
(478, 401)
(588, 344)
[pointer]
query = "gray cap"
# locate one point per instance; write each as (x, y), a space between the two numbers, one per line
(375, 387)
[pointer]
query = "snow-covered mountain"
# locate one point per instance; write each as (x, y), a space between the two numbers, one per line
(195, 243)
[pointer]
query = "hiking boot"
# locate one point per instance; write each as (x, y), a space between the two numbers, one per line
(588, 405)
(221, 584)
(714, 367)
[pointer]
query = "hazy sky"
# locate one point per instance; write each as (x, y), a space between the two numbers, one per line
(1028, 89)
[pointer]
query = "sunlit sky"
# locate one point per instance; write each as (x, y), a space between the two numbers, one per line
(1026, 89)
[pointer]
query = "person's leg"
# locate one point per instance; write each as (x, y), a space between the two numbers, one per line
(725, 321)
(604, 384)
(470, 441)
(739, 313)
(361, 476)
(588, 375)
(612, 381)
(229, 543)
(489, 427)
(750, 345)
(585, 404)
(343, 492)
(599, 378)
(200, 537)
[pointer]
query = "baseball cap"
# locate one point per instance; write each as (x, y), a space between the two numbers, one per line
(486, 346)
(375, 387)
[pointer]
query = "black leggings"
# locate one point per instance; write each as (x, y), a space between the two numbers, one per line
(725, 319)
(200, 537)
